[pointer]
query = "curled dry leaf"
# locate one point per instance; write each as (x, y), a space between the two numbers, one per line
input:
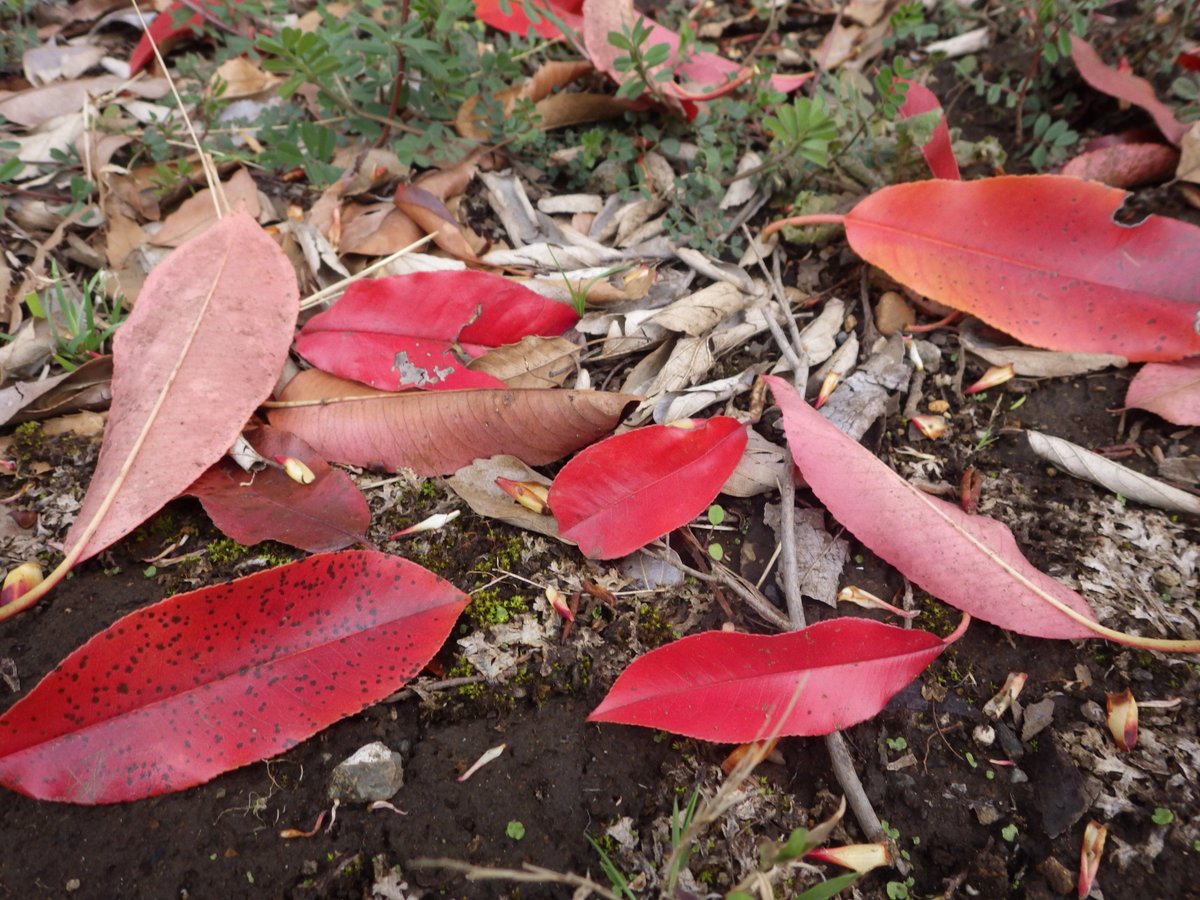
(532, 362)
(328, 513)
(1170, 390)
(1119, 479)
(731, 688)
(438, 432)
(176, 693)
(476, 484)
(1039, 363)
(1125, 165)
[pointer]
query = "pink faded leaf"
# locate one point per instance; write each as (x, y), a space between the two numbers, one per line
(176, 693)
(328, 514)
(1125, 86)
(1170, 390)
(969, 561)
(201, 350)
(1125, 165)
(439, 432)
(701, 76)
(938, 152)
(731, 688)
(413, 330)
(622, 493)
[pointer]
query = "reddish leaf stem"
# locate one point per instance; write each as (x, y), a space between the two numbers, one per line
(800, 222)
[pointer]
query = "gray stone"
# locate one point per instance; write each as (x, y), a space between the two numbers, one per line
(373, 772)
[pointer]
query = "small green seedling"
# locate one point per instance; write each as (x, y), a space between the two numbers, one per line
(515, 830)
(1162, 816)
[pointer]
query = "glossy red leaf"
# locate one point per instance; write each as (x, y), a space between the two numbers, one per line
(1170, 390)
(728, 687)
(1125, 86)
(439, 432)
(969, 561)
(622, 493)
(938, 152)
(177, 693)
(413, 330)
(329, 514)
(1040, 257)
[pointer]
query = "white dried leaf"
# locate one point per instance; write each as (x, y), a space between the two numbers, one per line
(476, 484)
(820, 557)
(1040, 363)
(702, 311)
(716, 271)
(1093, 467)
(758, 470)
(508, 200)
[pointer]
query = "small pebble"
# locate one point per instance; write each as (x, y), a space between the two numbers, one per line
(893, 313)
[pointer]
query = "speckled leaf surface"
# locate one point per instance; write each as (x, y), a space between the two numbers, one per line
(1040, 257)
(175, 694)
(729, 687)
(622, 493)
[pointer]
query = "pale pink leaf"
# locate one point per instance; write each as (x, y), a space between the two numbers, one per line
(1170, 390)
(969, 561)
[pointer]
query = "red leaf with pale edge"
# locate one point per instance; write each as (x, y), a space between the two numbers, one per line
(201, 350)
(177, 693)
(1170, 390)
(402, 332)
(970, 562)
(622, 493)
(1125, 86)
(730, 688)
(329, 514)
(938, 153)
(439, 432)
(1039, 257)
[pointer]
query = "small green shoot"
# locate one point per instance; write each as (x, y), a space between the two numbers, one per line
(515, 830)
(1162, 816)
(1009, 832)
(620, 884)
(897, 744)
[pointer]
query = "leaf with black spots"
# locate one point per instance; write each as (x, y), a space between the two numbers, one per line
(177, 693)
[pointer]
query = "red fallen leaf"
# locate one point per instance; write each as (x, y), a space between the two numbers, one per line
(516, 22)
(1125, 165)
(1039, 257)
(177, 693)
(938, 152)
(168, 28)
(403, 331)
(201, 350)
(329, 514)
(439, 432)
(1125, 86)
(969, 561)
(1189, 59)
(729, 688)
(622, 493)
(1170, 390)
